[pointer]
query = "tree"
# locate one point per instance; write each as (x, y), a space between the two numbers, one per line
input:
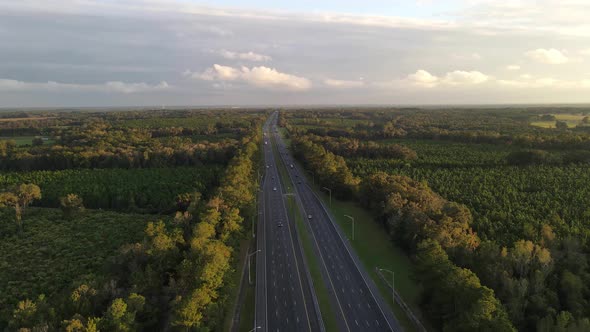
(71, 205)
(37, 141)
(27, 193)
(561, 125)
(19, 198)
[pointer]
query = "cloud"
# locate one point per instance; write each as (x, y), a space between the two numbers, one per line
(513, 67)
(458, 77)
(261, 76)
(343, 84)
(250, 56)
(549, 56)
(112, 86)
(423, 78)
(545, 82)
(585, 52)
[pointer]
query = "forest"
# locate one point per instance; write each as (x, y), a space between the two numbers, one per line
(491, 206)
(124, 220)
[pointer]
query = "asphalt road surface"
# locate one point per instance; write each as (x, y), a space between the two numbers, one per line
(284, 298)
(354, 296)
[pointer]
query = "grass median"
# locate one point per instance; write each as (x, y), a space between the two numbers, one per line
(321, 291)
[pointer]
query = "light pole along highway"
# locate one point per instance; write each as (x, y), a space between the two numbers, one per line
(354, 296)
(351, 218)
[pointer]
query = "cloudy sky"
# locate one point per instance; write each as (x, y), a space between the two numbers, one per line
(283, 52)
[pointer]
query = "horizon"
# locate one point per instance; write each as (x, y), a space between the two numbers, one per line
(154, 52)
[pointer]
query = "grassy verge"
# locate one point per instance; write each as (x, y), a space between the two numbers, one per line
(375, 249)
(234, 280)
(320, 288)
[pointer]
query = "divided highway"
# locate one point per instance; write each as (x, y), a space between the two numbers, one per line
(284, 296)
(354, 296)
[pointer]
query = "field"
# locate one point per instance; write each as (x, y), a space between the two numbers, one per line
(32, 118)
(27, 140)
(572, 121)
(148, 190)
(52, 253)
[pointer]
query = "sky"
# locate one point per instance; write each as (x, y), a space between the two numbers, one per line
(71, 53)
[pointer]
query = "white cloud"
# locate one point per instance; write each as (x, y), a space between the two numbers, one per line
(458, 77)
(513, 67)
(585, 52)
(423, 78)
(344, 84)
(250, 56)
(258, 76)
(545, 82)
(549, 56)
(111, 86)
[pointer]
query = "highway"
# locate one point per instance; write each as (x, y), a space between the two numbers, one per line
(284, 297)
(354, 297)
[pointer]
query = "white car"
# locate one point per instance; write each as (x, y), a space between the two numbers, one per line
(309, 216)
(274, 189)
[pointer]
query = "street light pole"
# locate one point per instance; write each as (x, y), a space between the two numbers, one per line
(351, 218)
(392, 283)
(312, 176)
(252, 226)
(249, 276)
(330, 191)
(254, 329)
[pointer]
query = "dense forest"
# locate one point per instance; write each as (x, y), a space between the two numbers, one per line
(491, 205)
(178, 185)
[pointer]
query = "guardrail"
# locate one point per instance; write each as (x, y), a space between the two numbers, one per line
(398, 299)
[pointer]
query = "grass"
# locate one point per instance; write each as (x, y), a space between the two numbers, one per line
(319, 285)
(572, 121)
(235, 279)
(248, 310)
(27, 140)
(375, 249)
(321, 290)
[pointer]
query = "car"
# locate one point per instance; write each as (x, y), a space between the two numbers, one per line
(274, 189)
(309, 216)
(299, 182)
(267, 166)
(280, 224)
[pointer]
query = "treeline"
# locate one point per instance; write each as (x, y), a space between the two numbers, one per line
(151, 190)
(495, 126)
(178, 277)
(352, 147)
(103, 148)
(330, 170)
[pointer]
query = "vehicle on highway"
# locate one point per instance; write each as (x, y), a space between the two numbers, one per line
(274, 189)
(267, 166)
(309, 216)
(280, 224)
